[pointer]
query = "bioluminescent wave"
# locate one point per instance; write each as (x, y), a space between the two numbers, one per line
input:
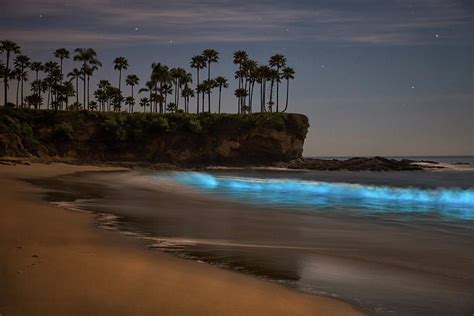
(454, 203)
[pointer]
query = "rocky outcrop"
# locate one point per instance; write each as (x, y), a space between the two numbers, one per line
(182, 139)
(352, 164)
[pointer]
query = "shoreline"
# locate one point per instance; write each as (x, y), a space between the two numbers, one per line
(60, 263)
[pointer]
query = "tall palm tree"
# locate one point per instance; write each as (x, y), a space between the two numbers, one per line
(61, 53)
(272, 76)
(87, 56)
(240, 57)
(8, 47)
(201, 90)
(241, 93)
(198, 62)
(120, 63)
(149, 88)
(132, 81)
(37, 67)
(262, 77)
(88, 72)
(22, 62)
(211, 56)
(76, 75)
(187, 93)
(221, 83)
(160, 76)
(277, 61)
(288, 74)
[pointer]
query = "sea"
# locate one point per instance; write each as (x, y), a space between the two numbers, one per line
(391, 243)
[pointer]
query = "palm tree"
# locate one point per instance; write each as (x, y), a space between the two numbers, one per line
(77, 75)
(149, 88)
(262, 77)
(22, 62)
(277, 61)
(88, 72)
(37, 67)
(132, 81)
(53, 75)
(201, 90)
(221, 83)
(87, 56)
(8, 47)
(143, 103)
(240, 57)
(241, 93)
(187, 93)
(272, 76)
(198, 62)
(211, 56)
(287, 73)
(120, 63)
(130, 102)
(61, 53)
(160, 75)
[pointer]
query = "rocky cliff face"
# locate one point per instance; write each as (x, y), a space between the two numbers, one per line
(184, 139)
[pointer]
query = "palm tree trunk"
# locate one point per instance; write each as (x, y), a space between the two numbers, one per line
(220, 91)
(85, 87)
(61, 83)
(17, 91)
(5, 80)
(197, 99)
(209, 91)
(287, 92)
(88, 79)
(77, 90)
(277, 90)
(133, 99)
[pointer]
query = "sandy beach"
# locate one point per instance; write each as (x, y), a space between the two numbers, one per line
(57, 262)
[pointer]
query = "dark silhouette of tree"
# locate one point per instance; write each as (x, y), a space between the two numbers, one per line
(241, 93)
(288, 74)
(160, 76)
(88, 73)
(88, 57)
(277, 61)
(120, 63)
(272, 77)
(61, 53)
(144, 103)
(221, 83)
(187, 93)
(211, 56)
(8, 47)
(132, 81)
(198, 62)
(76, 75)
(22, 62)
(37, 67)
(149, 88)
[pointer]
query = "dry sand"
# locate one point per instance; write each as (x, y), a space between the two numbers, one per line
(57, 262)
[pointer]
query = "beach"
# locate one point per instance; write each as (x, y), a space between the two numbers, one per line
(58, 262)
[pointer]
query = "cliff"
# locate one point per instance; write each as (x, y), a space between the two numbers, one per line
(183, 139)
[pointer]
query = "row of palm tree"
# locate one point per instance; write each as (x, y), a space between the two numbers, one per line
(163, 82)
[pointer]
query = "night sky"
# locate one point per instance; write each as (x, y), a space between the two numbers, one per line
(374, 77)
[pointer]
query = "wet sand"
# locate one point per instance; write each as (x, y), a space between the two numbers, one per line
(56, 262)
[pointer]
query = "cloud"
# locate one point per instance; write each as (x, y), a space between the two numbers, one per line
(395, 23)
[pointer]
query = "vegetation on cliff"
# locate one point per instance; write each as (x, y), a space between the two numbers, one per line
(178, 138)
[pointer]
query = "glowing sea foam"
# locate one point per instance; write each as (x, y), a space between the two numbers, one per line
(452, 202)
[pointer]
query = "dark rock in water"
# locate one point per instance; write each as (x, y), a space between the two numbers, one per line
(352, 164)
(178, 139)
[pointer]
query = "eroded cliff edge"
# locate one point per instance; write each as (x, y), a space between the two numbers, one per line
(183, 139)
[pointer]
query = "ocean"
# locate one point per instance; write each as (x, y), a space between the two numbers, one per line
(391, 243)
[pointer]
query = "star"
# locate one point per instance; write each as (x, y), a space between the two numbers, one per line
(136, 29)
(287, 30)
(171, 42)
(40, 15)
(413, 87)
(323, 66)
(436, 35)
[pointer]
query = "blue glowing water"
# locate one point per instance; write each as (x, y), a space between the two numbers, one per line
(450, 203)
